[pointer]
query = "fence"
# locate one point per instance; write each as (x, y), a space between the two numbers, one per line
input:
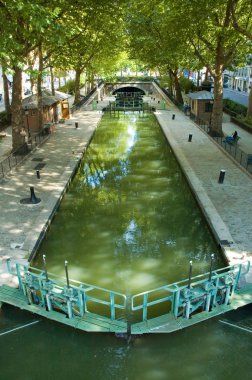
(19, 154)
(241, 157)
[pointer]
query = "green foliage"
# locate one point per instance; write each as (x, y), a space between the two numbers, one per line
(186, 85)
(235, 108)
(68, 87)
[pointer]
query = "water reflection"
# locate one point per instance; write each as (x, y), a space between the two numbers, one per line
(128, 205)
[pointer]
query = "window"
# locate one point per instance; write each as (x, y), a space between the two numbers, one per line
(208, 107)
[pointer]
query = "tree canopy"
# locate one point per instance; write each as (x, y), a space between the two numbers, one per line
(92, 36)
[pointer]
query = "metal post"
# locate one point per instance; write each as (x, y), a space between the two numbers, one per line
(33, 198)
(69, 309)
(44, 265)
(145, 301)
(211, 267)
(48, 302)
(208, 299)
(112, 306)
(188, 305)
(66, 270)
(221, 176)
(227, 295)
(190, 275)
(190, 137)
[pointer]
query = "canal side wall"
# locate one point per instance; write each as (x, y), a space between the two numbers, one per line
(226, 206)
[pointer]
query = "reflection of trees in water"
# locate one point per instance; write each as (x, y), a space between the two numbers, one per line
(141, 193)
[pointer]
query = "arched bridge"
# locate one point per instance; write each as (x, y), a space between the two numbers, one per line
(146, 87)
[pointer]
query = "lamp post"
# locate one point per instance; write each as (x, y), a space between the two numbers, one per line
(27, 121)
(211, 114)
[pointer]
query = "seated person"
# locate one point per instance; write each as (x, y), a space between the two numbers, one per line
(231, 138)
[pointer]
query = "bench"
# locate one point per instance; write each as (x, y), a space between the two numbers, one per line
(232, 142)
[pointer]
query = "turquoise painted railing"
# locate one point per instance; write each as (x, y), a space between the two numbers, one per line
(72, 297)
(185, 297)
(181, 299)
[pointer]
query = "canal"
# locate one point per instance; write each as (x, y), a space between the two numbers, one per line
(129, 223)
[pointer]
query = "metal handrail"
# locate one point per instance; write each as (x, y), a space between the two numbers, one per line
(238, 154)
(77, 293)
(18, 155)
(198, 283)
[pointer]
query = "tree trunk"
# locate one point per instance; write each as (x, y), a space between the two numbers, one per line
(16, 109)
(52, 81)
(198, 78)
(249, 112)
(178, 93)
(206, 75)
(77, 85)
(6, 96)
(39, 90)
(170, 83)
(216, 119)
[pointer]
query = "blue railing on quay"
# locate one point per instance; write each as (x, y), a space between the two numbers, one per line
(244, 159)
(20, 153)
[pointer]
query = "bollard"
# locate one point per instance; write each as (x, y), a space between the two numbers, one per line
(190, 137)
(76, 124)
(221, 176)
(38, 174)
(33, 198)
(173, 116)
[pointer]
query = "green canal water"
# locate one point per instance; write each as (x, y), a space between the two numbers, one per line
(128, 222)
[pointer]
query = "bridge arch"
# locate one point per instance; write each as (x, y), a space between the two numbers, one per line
(131, 88)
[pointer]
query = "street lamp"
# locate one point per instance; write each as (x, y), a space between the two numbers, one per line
(211, 114)
(27, 121)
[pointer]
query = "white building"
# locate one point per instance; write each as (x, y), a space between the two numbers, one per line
(240, 79)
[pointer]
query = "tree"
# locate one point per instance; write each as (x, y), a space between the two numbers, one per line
(209, 30)
(241, 11)
(23, 25)
(158, 43)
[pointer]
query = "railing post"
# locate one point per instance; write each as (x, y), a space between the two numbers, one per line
(81, 303)
(211, 267)
(112, 306)
(145, 307)
(48, 302)
(190, 275)
(19, 278)
(176, 303)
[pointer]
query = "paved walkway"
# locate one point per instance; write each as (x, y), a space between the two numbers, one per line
(227, 206)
